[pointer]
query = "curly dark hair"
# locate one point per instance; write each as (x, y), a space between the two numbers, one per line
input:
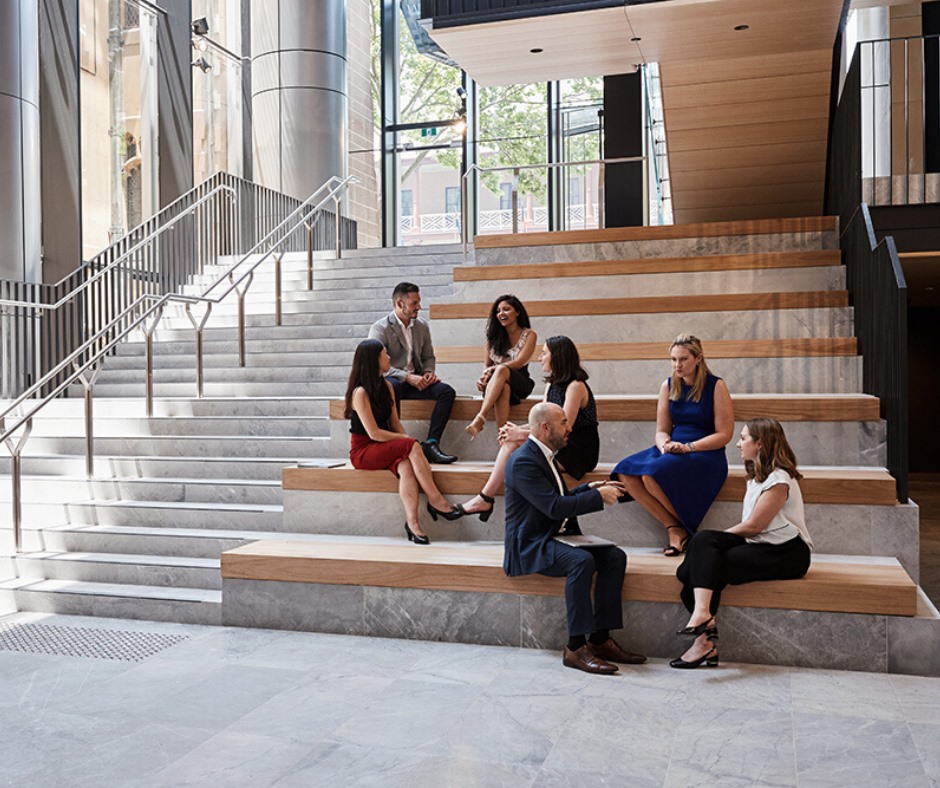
(365, 373)
(497, 339)
(566, 361)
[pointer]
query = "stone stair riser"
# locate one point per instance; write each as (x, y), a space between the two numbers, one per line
(220, 389)
(194, 446)
(178, 516)
(313, 408)
(174, 467)
(135, 608)
(118, 572)
(310, 359)
(79, 539)
(247, 426)
(56, 491)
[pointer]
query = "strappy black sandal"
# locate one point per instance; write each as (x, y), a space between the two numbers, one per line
(672, 550)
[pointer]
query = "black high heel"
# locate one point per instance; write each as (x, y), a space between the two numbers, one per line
(485, 514)
(709, 660)
(416, 538)
(696, 631)
(454, 514)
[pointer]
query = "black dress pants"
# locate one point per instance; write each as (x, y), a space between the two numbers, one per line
(716, 559)
(578, 566)
(442, 394)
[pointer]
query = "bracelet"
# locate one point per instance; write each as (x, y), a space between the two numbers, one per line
(691, 445)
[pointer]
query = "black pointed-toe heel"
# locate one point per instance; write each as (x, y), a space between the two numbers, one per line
(709, 660)
(455, 513)
(416, 538)
(485, 514)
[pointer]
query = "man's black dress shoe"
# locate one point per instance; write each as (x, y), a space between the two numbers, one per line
(434, 454)
(584, 659)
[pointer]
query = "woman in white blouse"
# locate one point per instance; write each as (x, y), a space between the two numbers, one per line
(770, 543)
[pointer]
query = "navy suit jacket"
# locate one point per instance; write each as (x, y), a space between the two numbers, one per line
(535, 510)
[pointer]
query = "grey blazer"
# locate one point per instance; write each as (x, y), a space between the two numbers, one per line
(392, 335)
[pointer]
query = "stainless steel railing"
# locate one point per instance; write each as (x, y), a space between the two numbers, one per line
(145, 312)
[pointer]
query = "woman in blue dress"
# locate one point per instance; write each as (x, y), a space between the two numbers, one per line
(677, 479)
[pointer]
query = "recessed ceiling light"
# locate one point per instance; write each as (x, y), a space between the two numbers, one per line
(741, 27)
(636, 38)
(536, 50)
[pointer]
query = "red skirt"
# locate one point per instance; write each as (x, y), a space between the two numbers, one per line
(370, 455)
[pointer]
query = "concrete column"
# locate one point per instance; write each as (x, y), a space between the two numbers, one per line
(20, 208)
(299, 100)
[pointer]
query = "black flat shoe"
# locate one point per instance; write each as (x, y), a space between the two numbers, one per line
(454, 514)
(709, 660)
(413, 537)
(485, 513)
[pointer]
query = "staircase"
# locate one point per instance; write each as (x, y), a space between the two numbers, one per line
(142, 539)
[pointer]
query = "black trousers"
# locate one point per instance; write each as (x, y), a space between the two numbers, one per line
(443, 396)
(716, 559)
(578, 565)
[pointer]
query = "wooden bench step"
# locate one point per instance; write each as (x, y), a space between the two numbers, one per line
(836, 407)
(833, 584)
(808, 224)
(728, 302)
(869, 486)
(717, 348)
(650, 265)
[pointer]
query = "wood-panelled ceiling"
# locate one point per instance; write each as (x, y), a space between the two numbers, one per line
(746, 110)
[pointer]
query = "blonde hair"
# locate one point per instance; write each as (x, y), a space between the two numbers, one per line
(694, 346)
(774, 452)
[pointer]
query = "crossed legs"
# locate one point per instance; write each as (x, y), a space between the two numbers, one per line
(414, 475)
(495, 398)
(647, 492)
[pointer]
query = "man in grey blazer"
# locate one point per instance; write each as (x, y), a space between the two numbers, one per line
(407, 338)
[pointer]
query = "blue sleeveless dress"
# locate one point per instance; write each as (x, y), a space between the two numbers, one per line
(690, 481)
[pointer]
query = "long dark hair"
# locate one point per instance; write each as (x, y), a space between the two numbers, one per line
(365, 373)
(497, 338)
(566, 361)
(775, 451)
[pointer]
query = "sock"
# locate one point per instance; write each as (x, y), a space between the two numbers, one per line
(601, 636)
(575, 642)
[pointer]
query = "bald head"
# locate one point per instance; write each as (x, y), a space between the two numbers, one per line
(548, 423)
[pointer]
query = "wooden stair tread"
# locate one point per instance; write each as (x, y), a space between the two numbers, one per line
(724, 302)
(871, 486)
(650, 265)
(848, 586)
(717, 348)
(805, 224)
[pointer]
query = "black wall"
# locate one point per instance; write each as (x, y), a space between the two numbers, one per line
(623, 137)
(930, 21)
(923, 331)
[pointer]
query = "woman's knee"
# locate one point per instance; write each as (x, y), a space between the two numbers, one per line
(630, 483)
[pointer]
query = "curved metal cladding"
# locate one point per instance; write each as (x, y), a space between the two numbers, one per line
(299, 100)
(20, 207)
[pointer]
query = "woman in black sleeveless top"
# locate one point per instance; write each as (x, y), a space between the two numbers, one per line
(379, 442)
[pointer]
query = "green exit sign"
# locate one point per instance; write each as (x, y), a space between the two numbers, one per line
(429, 132)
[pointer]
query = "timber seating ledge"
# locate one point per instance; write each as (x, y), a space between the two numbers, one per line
(805, 224)
(650, 265)
(642, 407)
(682, 304)
(823, 485)
(877, 586)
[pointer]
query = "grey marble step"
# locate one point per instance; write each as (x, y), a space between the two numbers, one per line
(236, 426)
(208, 407)
(177, 514)
(214, 360)
(659, 327)
(434, 281)
(180, 329)
(115, 600)
(215, 344)
(675, 247)
(184, 446)
(806, 375)
(127, 569)
(815, 443)
(691, 283)
(250, 388)
(299, 304)
(845, 528)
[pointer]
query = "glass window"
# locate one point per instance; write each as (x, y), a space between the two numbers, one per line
(407, 202)
(452, 199)
(505, 196)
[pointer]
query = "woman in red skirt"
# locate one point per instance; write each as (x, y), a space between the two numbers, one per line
(379, 442)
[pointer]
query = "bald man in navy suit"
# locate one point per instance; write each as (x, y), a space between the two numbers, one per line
(538, 507)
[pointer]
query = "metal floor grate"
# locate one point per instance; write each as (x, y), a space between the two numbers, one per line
(114, 644)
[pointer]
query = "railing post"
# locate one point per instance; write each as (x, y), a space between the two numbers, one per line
(515, 201)
(277, 288)
(464, 233)
(197, 328)
(600, 195)
(88, 383)
(16, 476)
(337, 205)
(148, 330)
(310, 256)
(241, 314)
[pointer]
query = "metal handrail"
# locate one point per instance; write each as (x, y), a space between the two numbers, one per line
(82, 370)
(517, 168)
(133, 250)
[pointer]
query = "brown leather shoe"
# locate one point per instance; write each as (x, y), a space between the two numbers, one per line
(612, 652)
(584, 659)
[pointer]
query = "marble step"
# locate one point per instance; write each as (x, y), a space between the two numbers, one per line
(147, 466)
(129, 569)
(115, 600)
(689, 283)
(260, 323)
(794, 375)
(221, 345)
(177, 514)
(658, 326)
(303, 304)
(435, 282)
(264, 370)
(262, 331)
(311, 357)
(184, 446)
(248, 388)
(206, 407)
(108, 426)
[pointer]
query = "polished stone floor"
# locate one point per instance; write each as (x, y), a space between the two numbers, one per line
(233, 707)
